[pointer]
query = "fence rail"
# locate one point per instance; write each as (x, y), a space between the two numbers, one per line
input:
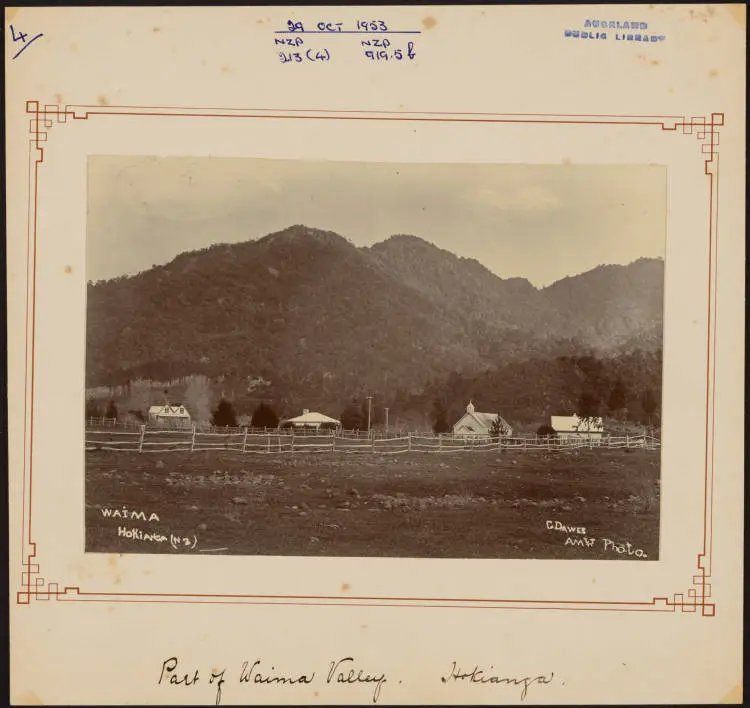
(278, 442)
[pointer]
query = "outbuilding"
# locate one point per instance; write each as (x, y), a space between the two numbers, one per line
(571, 426)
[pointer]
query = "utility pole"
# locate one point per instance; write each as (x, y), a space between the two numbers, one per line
(369, 412)
(386, 422)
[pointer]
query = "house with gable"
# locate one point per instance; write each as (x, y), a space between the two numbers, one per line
(473, 424)
(169, 415)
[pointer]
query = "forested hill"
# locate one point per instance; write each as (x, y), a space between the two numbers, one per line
(321, 320)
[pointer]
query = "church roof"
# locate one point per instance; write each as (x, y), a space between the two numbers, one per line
(484, 420)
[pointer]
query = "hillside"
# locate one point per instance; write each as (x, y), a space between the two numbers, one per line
(610, 305)
(602, 308)
(320, 320)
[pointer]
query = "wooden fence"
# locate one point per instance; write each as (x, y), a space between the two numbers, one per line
(279, 442)
(97, 424)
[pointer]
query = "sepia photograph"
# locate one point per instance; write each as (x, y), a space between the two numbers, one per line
(360, 359)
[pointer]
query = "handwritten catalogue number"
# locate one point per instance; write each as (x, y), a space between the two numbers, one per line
(294, 49)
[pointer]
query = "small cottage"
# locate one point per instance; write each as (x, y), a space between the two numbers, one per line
(571, 426)
(479, 425)
(169, 415)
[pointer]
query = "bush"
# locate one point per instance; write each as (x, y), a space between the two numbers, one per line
(546, 431)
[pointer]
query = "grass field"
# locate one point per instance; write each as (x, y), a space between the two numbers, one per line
(453, 505)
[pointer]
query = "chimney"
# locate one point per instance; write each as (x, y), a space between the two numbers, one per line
(305, 411)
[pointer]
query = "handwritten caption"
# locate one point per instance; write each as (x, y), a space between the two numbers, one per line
(342, 673)
(177, 541)
(624, 31)
(376, 40)
(577, 536)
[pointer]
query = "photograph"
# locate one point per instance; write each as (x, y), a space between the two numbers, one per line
(292, 357)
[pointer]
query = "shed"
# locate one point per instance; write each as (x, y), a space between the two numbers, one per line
(571, 426)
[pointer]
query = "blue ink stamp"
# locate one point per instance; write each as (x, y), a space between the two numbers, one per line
(624, 31)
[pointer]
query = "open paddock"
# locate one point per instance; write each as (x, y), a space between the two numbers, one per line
(487, 504)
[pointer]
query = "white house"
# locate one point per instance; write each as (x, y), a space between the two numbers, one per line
(311, 419)
(479, 425)
(167, 414)
(571, 426)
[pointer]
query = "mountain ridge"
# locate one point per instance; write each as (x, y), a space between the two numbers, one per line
(323, 319)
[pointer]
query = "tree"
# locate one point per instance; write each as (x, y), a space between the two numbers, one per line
(224, 415)
(92, 409)
(139, 397)
(351, 418)
(588, 405)
(440, 421)
(588, 410)
(497, 428)
(649, 403)
(111, 410)
(138, 415)
(264, 417)
(618, 398)
(198, 397)
(546, 431)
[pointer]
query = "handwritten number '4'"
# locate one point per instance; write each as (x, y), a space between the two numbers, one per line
(21, 37)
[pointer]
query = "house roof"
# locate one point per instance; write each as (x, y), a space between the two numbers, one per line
(166, 409)
(574, 424)
(312, 418)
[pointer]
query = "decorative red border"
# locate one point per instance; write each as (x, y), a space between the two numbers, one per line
(697, 597)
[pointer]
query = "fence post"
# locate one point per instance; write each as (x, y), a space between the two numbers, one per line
(333, 443)
(292, 440)
(408, 437)
(244, 440)
(192, 442)
(627, 441)
(268, 442)
(140, 442)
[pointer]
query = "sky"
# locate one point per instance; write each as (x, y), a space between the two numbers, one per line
(540, 222)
